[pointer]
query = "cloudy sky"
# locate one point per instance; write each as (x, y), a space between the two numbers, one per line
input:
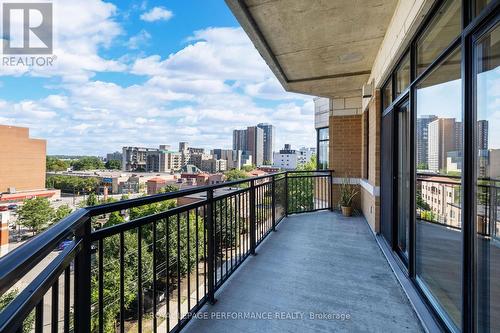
(148, 73)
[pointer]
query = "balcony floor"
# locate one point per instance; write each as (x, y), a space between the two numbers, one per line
(318, 263)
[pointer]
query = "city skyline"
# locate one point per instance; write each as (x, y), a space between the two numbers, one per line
(141, 81)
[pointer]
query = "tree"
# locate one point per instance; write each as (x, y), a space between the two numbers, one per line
(35, 214)
(248, 168)
(309, 166)
(88, 163)
(113, 165)
(168, 188)
(235, 175)
(61, 212)
(5, 300)
(92, 200)
(55, 164)
(72, 184)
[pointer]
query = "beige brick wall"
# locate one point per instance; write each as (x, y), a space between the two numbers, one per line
(22, 160)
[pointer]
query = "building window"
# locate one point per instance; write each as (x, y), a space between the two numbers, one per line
(440, 95)
(441, 31)
(387, 94)
(403, 75)
(487, 150)
(323, 148)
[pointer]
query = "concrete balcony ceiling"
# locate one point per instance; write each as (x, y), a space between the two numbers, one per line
(322, 47)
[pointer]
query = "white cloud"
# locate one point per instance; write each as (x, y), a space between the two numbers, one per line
(157, 14)
(217, 82)
(141, 39)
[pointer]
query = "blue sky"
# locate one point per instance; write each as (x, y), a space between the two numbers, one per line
(149, 73)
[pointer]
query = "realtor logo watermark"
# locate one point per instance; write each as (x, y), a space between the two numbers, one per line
(28, 34)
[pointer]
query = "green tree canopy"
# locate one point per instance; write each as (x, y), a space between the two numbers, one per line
(61, 212)
(88, 163)
(35, 214)
(55, 164)
(113, 165)
(236, 174)
(248, 168)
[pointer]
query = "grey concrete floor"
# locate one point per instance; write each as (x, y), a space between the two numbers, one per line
(319, 264)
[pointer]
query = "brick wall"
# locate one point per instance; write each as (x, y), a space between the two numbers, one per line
(345, 145)
(23, 160)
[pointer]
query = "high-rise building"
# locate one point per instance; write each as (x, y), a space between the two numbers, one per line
(482, 137)
(233, 157)
(240, 140)
(255, 144)
(442, 139)
(422, 142)
(268, 142)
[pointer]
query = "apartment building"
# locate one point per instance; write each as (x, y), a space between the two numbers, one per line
(290, 159)
(268, 141)
(23, 160)
(233, 157)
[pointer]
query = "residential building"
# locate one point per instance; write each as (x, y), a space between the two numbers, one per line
(164, 161)
(423, 143)
(135, 158)
(290, 159)
(442, 139)
(116, 156)
(233, 157)
(198, 158)
(269, 134)
(22, 166)
(255, 144)
(154, 185)
(214, 165)
(482, 135)
(240, 140)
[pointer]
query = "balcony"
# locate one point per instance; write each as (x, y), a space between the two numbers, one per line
(148, 265)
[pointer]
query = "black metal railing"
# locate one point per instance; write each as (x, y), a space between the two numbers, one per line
(148, 264)
(439, 202)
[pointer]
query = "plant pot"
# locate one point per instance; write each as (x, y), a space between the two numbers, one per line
(346, 211)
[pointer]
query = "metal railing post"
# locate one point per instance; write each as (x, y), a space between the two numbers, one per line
(211, 246)
(331, 190)
(83, 280)
(286, 193)
(273, 199)
(252, 218)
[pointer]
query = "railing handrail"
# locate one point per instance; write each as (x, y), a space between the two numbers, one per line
(21, 260)
(77, 226)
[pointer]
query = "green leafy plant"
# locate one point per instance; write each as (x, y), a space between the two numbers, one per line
(347, 193)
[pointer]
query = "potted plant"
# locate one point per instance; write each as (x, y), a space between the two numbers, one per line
(347, 193)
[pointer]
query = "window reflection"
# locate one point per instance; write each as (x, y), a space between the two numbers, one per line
(480, 5)
(323, 148)
(442, 30)
(438, 190)
(403, 75)
(387, 94)
(487, 52)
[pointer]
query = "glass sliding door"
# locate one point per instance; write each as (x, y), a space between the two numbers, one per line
(403, 181)
(487, 83)
(438, 245)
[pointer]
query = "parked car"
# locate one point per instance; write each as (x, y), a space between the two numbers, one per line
(12, 207)
(4, 208)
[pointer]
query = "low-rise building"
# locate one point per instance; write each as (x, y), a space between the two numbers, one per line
(290, 159)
